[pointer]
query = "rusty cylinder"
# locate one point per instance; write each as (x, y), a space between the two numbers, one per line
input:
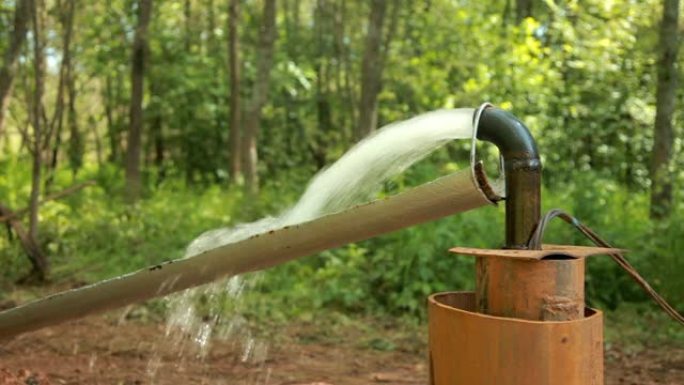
(551, 289)
(471, 348)
(536, 330)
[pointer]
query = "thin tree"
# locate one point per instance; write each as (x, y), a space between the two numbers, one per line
(523, 9)
(234, 70)
(371, 71)
(211, 27)
(187, 18)
(40, 265)
(157, 132)
(259, 95)
(9, 62)
(344, 51)
(133, 182)
(66, 12)
(76, 146)
(661, 178)
(317, 147)
(112, 126)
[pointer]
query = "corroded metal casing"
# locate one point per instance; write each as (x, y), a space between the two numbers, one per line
(536, 285)
(470, 348)
(526, 324)
(546, 290)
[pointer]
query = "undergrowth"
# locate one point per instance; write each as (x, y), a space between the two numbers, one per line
(92, 235)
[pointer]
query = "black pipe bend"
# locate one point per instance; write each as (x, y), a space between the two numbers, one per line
(522, 171)
(507, 133)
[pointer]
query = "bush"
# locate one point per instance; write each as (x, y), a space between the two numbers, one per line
(92, 235)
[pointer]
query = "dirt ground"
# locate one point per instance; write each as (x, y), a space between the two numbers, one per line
(100, 350)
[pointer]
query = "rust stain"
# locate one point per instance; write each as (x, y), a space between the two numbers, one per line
(562, 308)
(542, 290)
(469, 348)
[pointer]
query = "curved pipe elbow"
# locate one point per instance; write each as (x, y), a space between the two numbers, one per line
(507, 133)
(522, 171)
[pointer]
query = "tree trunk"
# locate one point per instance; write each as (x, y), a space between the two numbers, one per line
(133, 182)
(187, 18)
(317, 145)
(211, 47)
(661, 176)
(97, 138)
(109, 116)
(389, 34)
(292, 9)
(523, 9)
(259, 95)
(347, 68)
(371, 71)
(30, 245)
(159, 147)
(346, 116)
(9, 63)
(41, 267)
(76, 145)
(157, 133)
(66, 17)
(234, 64)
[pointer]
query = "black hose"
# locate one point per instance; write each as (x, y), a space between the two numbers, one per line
(536, 241)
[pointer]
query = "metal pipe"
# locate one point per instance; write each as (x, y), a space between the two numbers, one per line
(461, 191)
(522, 172)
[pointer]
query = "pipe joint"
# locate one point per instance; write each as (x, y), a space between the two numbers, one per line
(522, 171)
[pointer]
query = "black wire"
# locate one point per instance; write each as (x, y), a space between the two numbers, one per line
(535, 243)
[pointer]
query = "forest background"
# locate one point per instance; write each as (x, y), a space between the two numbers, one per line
(127, 128)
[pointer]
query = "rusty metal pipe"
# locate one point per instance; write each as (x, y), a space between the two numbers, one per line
(522, 173)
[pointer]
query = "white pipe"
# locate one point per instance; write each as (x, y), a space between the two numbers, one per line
(445, 196)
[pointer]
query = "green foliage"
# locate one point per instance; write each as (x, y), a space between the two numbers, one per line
(635, 326)
(396, 272)
(91, 236)
(580, 74)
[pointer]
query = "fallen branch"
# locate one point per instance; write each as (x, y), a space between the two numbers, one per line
(4, 217)
(28, 243)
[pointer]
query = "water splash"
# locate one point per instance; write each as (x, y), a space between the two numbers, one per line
(357, 175)
(352, 180)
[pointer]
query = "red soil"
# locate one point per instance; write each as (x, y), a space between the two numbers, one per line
(97, 351)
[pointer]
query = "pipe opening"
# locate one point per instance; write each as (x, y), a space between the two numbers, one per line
(558, 257)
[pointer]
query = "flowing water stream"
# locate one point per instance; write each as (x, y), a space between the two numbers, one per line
(353, 179)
